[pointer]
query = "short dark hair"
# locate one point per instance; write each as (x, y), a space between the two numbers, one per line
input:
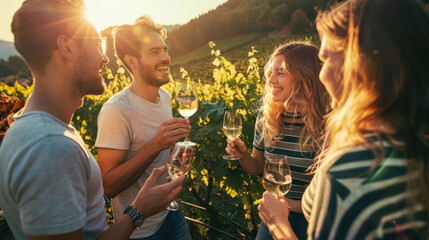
(128, 38)
(38, 23)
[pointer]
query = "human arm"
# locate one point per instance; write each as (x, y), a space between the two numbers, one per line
(150, 200)
(251, 163)
(295, 205)
(274, 213)
(118, 173)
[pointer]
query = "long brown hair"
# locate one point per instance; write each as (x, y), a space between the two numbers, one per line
(308, 93)
(385, 80)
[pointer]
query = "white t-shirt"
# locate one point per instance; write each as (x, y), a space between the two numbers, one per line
(128, 122)
(49, 182)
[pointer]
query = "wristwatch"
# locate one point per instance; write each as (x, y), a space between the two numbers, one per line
(135, 215)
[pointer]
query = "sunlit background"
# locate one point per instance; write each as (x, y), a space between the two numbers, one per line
(105, 13)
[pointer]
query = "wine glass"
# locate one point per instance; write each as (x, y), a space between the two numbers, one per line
(231, 128)
(178, 164)
(186, 96)
(277, 178)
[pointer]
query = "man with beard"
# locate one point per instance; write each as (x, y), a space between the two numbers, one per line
(50, 184)
(136, 129)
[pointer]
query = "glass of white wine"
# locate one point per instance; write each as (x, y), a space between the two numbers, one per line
(178, 164)
(186, 96)
(231, 128)
(277, 178)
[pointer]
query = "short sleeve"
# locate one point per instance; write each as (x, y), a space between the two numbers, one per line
(50, 187)
(113, 129)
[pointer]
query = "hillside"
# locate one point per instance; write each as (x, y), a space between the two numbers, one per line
(7, 49)
(239, 17)
(200, 65)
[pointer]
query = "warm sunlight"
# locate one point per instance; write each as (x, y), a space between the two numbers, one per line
(166, 12)
(105, 13)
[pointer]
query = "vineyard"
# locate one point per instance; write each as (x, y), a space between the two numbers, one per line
(202, 68)
(219, 199)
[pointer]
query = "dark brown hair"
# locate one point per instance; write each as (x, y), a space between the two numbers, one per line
(128, 39)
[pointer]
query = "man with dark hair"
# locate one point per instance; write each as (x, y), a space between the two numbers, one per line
(136, 129)
(50, 184)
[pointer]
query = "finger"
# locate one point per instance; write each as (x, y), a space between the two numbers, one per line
(175, 192)
(267, 195)
(168, 129)
(177, 137)
(176, 120)
(281, 197)
(175, 183)
(178, 131)
(263, 216)
(229, 151)
(156, 173)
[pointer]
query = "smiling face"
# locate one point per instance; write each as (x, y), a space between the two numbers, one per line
(279, 80)
(154, 63)
(331, 74)
(86, 75)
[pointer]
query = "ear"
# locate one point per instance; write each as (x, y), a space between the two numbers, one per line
(131, 61)
(66, 47)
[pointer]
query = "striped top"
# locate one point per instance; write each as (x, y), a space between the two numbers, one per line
(346, 200)
(288, 145)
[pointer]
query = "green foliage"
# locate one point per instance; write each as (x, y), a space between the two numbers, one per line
(15, 67)
(17, 90)
(228, 90)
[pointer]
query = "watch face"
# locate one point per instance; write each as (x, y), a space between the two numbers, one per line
(139, 222)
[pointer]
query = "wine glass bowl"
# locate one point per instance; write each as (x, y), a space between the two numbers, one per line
(231, 128)
(179, 164)
(277, 177)
(180, 161)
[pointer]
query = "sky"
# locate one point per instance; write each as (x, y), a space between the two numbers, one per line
(105, 13)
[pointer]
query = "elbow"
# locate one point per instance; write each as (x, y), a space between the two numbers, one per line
(109, 190)
(110, 194)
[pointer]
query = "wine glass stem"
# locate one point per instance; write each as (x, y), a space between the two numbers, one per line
(187, 137)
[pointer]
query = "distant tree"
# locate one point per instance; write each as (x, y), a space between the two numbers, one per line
(5, 69)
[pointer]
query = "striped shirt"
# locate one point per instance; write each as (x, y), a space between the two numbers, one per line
(346, 200)
(288, 145)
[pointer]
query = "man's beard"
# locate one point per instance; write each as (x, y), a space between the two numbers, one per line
(148, 75)
(86, 83)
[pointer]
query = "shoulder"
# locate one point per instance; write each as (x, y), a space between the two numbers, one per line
(121, 99)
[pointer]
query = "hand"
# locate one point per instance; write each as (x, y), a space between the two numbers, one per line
(236, 147)
(170, 131)
(274, 212)
(153, 198)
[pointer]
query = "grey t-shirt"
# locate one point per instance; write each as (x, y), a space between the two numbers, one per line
(49, 182)
(128, 122)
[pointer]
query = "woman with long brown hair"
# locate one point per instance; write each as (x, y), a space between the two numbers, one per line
(372, 180)
(290, 122)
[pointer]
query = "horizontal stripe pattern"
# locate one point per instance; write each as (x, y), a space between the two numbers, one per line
(346, 200)
(300, 158)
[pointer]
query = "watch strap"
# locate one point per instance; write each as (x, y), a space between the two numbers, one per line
(135, 215)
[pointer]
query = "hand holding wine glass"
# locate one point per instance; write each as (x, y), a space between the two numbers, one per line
(277, 178)
(179, 164)
(231, 128)
(186, 96)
